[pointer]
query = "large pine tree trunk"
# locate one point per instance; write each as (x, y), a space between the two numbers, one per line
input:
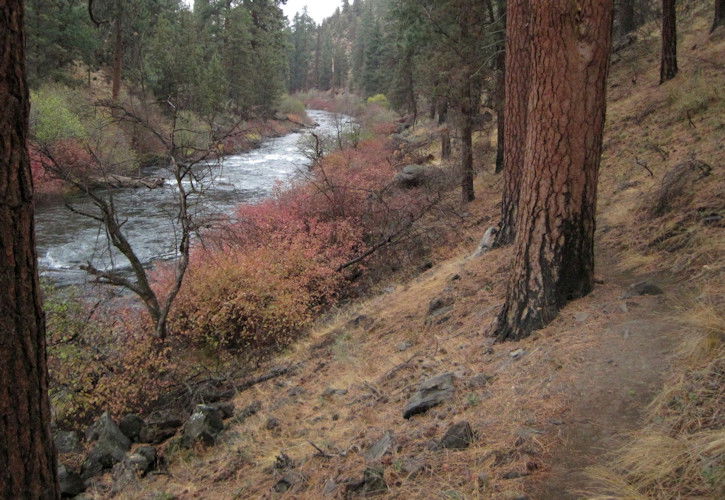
(554, 244)
(719, 15)
(27, 458)
(517, 63)
(668, 67)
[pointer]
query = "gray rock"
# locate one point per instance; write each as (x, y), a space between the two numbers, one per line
(272, 424)
(67, 441)
(431, 392)
(581, 317)
(331, 391)
(380, 448)
(71, 483)
(413, 466)
(404, 346)
(458, 437)
(480, 380)
(225, 407)
(439, 304)
(110, 448)
(486, 244)
(160, 426)
(133, 466)
(642, 288)
(203, 426)
(289, 480)
(104, 455)
(372, 483)
(106, 428)
(131, 425)
(517, 353)
(248, 411)
(329, 488)
(416, 175)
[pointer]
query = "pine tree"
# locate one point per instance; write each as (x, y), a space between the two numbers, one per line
(554, 245)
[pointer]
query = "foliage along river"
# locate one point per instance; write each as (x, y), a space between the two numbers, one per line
(66, 240)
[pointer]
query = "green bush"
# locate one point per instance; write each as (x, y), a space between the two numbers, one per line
(52, 116)
(379, 100)
(289, 105)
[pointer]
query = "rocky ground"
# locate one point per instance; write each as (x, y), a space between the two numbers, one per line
(403, 394)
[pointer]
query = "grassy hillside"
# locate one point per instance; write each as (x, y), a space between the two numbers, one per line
(622, 395)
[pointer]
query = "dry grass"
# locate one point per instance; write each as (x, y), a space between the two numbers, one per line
(518, 416)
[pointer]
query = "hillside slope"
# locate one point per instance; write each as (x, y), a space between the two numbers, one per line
(542, 410)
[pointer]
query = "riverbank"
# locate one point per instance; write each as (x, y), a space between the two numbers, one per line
(621, 396)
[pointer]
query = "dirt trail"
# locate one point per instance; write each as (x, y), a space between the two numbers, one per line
(617, 381)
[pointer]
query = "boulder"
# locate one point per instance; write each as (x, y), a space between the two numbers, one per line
(67, 441)
(160, 426)
(642, 288)
(204, 425)
(331, 391)
(372, 483)
(110, 448)
(486, 244)
(248, 411)
(104, 455)
(71, 483)
(131, 425)
(416, 175)
(133, 466)
(380, 448)
(272, 424)
(459, 436)
(226, 408)
(431, 392)
(439, 305)
(106, 429)
(289, 480)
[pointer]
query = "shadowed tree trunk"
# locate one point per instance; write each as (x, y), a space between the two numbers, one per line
(517, 63)
(500, 86)
(27, 457)
(500, 105)
(668, 67)
(719, 15)
(554, 244)
(467, 193)
(626, 13)
(445, 132)
(117, 59)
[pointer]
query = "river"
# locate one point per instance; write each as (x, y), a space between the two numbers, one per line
(67, 240)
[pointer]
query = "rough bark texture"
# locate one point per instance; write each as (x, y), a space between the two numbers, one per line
(554, 245)
(517, 63)
(719, 15)
(668, 67)
(27, 458)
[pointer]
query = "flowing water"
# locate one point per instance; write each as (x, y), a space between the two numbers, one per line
(67, 240)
